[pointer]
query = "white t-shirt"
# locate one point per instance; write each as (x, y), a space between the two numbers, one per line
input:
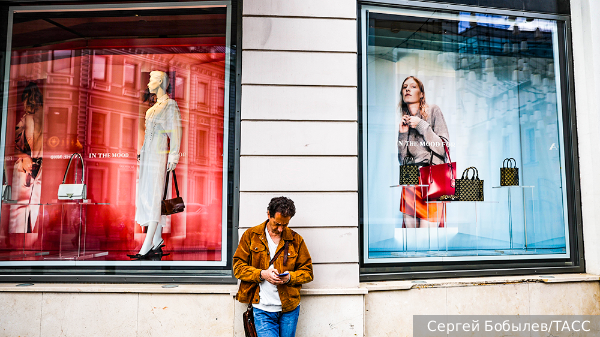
(269, 296)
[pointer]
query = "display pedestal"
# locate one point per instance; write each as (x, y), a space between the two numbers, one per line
(70, 243)
(510, 225)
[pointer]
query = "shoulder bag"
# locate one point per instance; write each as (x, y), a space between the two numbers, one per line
(440, 178)
(171, 206)
(509, 173)
(73, 191)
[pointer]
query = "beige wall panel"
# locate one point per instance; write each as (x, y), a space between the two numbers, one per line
(390, 313)
(299, 34)
(329, 275)
(290, 174)
(477, 300)
(315, 8)
(579, 298)
(185, 315)
(327, 316)
(299, 138)
(20, 314)
(321, 316)
(86, 314)
(312, 209)
(329, 245)
(298, 68)
(298, 103)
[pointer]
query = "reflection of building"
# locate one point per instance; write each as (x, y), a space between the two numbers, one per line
(93, 105)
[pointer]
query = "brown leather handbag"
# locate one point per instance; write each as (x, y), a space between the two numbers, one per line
(249, 327)
(171, 206)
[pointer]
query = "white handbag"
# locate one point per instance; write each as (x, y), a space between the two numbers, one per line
(73, 191)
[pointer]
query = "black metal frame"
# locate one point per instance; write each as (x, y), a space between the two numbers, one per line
(147, 274)
(420, 270)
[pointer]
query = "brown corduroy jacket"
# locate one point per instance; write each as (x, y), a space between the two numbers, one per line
(252, 256)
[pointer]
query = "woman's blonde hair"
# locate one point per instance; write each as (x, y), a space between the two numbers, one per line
(423, 106)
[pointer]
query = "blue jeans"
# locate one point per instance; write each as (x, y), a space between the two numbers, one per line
(276, 324)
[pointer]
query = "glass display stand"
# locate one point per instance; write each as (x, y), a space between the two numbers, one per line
(477, 218)
(444, 231)
(510, 227)
(79, 233)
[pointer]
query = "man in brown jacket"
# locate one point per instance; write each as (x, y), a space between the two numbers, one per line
(272, 262)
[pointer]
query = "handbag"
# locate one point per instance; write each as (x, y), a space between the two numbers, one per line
(6, 189)
(509, 173)
(248, 316)
(469, 189)
(171, 206)
(440, 178)
(73, 191)
(409, 172)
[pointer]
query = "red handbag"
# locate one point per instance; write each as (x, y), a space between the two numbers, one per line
(440, 178)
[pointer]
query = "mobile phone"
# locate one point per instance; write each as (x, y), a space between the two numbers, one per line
(284, 274)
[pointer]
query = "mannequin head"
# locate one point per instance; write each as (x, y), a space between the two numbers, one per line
(159, 82)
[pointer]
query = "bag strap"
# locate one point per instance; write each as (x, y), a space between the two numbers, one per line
(444, 142)
(284, 250)
(82, 168)
(509, 163)
(167, 184)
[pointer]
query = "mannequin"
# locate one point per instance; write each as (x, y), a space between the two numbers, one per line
(163, 121)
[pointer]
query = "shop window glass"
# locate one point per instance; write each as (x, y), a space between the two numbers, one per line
(79, 83)
(491, 86)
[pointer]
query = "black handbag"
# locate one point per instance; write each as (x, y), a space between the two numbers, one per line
(509, 173)
(171, 206)
(469, 189)
(409, 172)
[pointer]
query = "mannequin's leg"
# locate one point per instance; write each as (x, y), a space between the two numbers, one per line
(157, 239)
(152, 225)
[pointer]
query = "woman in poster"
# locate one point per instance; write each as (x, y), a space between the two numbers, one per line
(27, 174)
(420, 133)
(159, 154)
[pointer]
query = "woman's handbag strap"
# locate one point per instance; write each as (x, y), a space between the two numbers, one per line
(82, 168)
(167, 184)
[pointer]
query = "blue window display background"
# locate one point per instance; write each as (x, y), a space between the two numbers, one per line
(496, 80)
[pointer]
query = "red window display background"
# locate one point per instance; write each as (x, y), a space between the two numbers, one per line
(93, 105)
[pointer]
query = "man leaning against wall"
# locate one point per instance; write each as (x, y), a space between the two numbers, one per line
(272, 262)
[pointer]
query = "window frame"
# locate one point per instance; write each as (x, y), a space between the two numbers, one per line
(182, 272)
(418, 270)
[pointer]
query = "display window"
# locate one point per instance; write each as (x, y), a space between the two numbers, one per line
(114, 121)
(464, 153)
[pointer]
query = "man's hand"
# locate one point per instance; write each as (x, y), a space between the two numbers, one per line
(272, 276)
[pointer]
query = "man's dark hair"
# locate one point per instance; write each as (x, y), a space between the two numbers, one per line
(283, 205)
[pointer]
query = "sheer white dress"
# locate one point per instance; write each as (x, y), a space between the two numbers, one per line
(161, 145)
